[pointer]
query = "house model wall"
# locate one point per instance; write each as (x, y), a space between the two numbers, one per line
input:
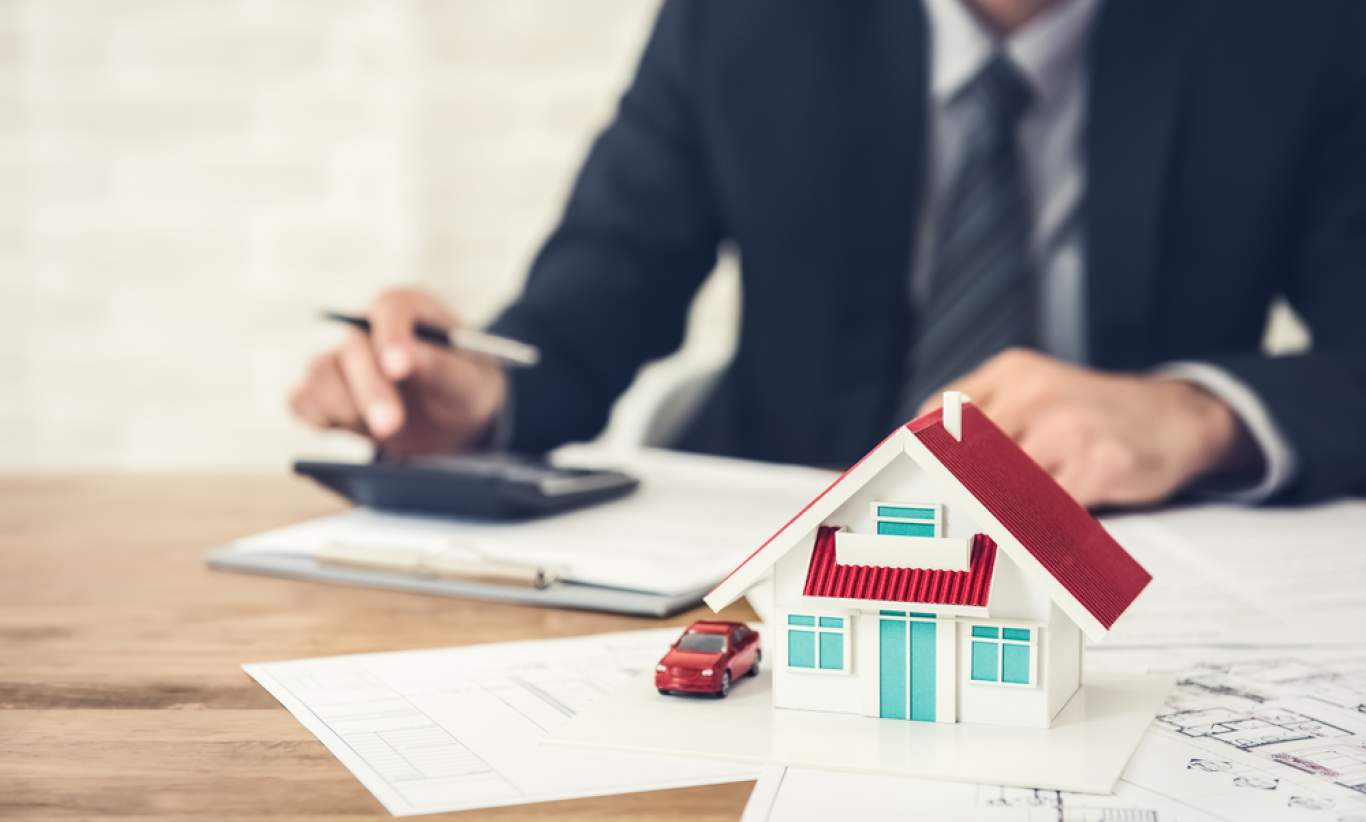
(943, 578)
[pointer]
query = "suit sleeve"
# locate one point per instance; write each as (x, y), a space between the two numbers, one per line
(1318, 399)
(611, 287)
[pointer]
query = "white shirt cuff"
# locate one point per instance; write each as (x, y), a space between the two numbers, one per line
(1277, 453)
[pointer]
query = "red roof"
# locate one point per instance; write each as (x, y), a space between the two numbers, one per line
(827, 578)
(1057, 531)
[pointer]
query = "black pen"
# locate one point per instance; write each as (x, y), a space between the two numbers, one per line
(506, 351)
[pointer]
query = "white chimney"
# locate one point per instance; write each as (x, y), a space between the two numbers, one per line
(953, 413)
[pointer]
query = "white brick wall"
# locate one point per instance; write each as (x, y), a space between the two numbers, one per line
(183, 183)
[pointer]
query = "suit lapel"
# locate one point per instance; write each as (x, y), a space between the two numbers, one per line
(1138, 52)
(882, 59)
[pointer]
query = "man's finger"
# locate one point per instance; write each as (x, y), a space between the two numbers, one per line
(392, 335)
(466, 387)
(1074, 479)
(936, 399)
(450, 371)
(1009, 416)
(1014, 387)
(980, 384)
(322, 400)
(1049, 451)
(1115, 473)
(370, 391)
(305, 408)
(393, 317)
(1095, 470)
(328, 391)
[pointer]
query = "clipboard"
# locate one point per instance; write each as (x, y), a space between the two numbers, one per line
(654, 552)
(560, 594)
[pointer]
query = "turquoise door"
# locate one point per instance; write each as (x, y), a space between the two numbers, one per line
(906, 669)
(892, 653)
(922, 671)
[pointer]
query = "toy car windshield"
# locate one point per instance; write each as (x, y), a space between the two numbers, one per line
(705, 643)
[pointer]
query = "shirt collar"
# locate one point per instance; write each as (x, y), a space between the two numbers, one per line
(1044, 50)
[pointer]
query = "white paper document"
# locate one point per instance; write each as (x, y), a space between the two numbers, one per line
(1085, 749)
(1245, 735)
(806, 795)
(692, 520)
(1233, 575)
(458, 728)
(1222, 573)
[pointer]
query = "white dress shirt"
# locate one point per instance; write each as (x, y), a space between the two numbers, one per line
(1050, 54)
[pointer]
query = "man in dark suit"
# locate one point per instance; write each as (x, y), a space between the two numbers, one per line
(1077, 211)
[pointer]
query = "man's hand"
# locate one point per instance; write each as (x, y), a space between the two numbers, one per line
(407, 396)
(1109, 439)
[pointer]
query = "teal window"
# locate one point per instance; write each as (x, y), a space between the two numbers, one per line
(904, 512)
(984, 661)
(905, 529)
(1015, 663)
(1002, 654)
(832, 651)
(906, 519)
(801, 648)
(816, 642)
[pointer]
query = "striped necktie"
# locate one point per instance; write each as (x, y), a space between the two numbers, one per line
(981, 298)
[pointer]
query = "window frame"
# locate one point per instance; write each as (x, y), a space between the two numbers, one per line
(817, 629)
(1000, 642)
(937, 523)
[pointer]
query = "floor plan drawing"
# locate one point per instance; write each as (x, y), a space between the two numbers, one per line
(1343, 763)
(1250, 733)
(458, 728)
(1246, 730)
(793, 794)
(1246, 734)
(1033, 804)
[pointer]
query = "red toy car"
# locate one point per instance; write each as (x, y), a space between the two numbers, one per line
(708, 657)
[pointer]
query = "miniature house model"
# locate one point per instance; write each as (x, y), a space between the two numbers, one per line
(945, 577)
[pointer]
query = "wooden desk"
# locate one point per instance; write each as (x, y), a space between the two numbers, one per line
(120, 691)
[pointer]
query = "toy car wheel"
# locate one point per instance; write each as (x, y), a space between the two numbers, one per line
(754, 669)
(664, 691)
(725, 685)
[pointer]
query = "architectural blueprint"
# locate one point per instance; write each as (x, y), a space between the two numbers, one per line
(1246, 734)
(1283, 725)
(458, 728)
(1255, 733)
(802, 795)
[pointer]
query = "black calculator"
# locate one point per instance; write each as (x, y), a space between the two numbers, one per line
(483, 486)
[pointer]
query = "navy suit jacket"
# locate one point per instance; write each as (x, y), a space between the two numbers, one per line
(1226, 166)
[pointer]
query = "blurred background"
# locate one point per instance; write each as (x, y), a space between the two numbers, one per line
(185, 183)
